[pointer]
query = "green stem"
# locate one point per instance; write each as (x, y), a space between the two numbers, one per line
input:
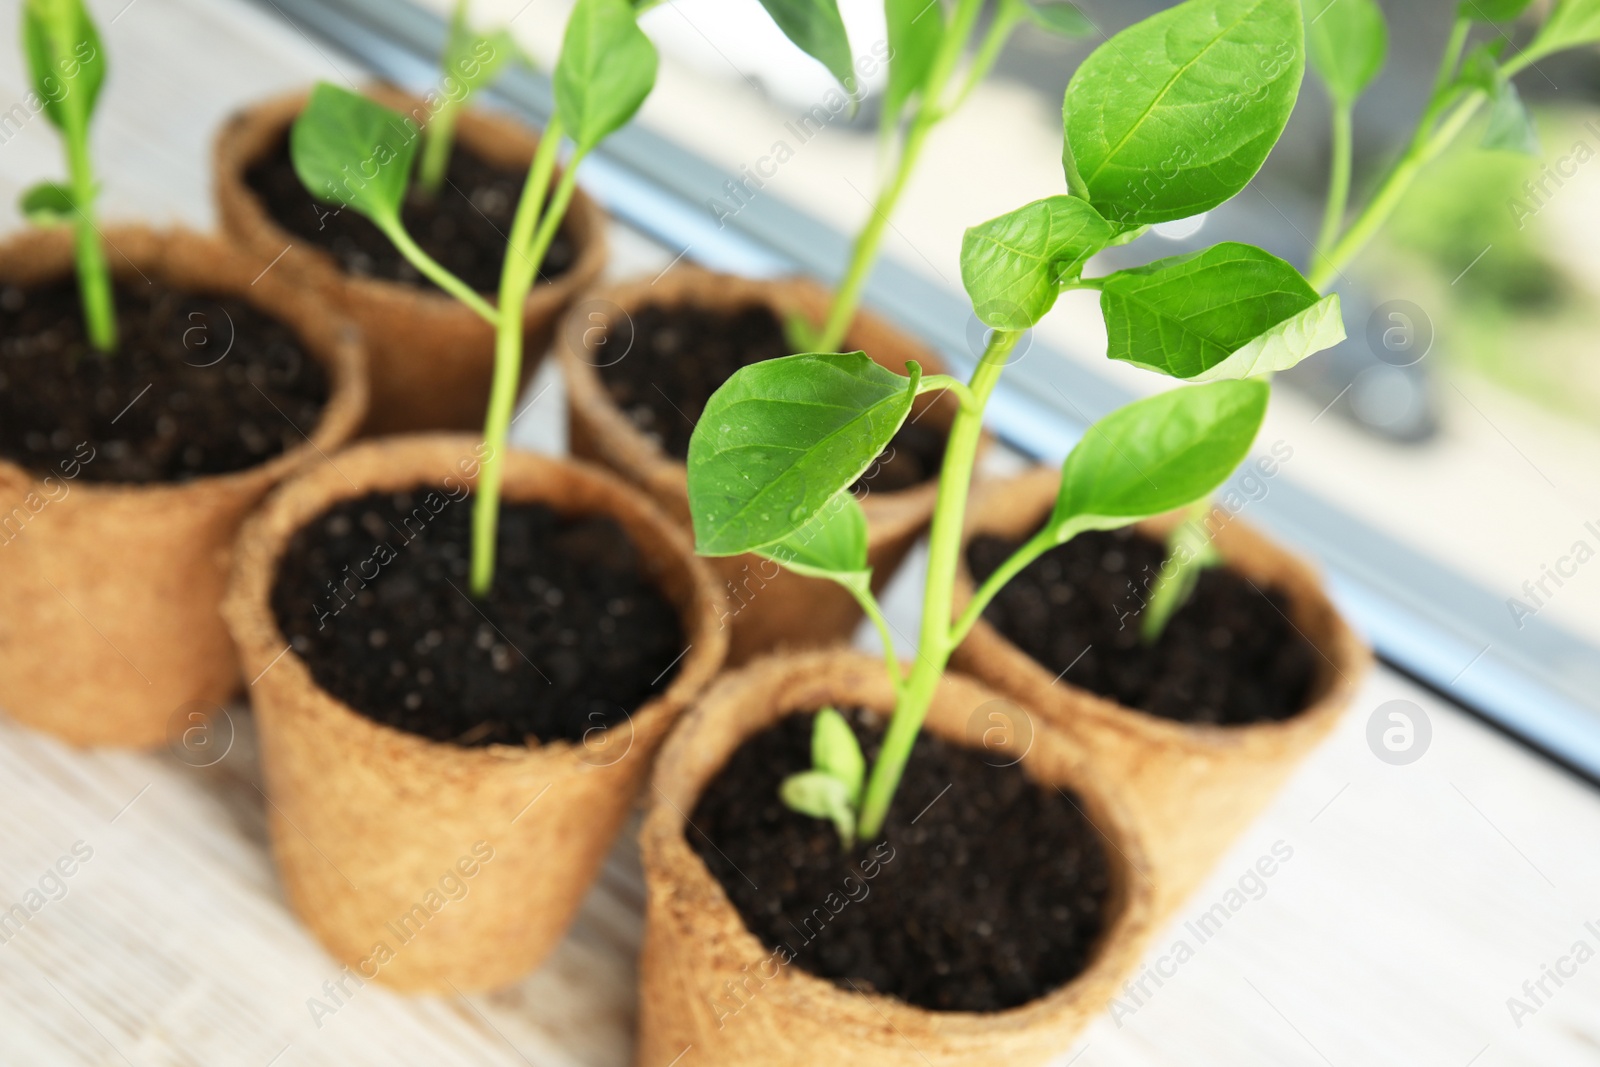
(94, 274)
(530, 239)
(1391, 191)
(847, 298)
(436, 273)
(1006, 19)
(437, 140)
(1338, 180)
(1452, 56)
(862, 591)
(1032, 549)
(934, 643)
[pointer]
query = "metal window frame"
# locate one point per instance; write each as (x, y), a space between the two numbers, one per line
(1539, 683)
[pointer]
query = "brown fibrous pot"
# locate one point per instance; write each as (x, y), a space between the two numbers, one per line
(1196, 787)
(432, 356)
(110, 623)
(767, 607)
(697, 948)
(367, 821)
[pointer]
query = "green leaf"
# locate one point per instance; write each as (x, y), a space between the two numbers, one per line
(1481, 68)
(832, 545)
(1157, 454)
(1492, 10)
(351, 150)
(606, 69)
(48, 204)
(836, 753)
(65, 60)
(1062, 18)
(915, 29)
(1509, 128)
(821, 796)
(1013, 266)
(1175, 114)
(780, 438)
(1572, 23)
(1228, 311)
(1346, 41)
(816, 29)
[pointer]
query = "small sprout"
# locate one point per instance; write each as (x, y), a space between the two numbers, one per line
(469, 62)
(1190, 550)
(67, 65)
(831, 789)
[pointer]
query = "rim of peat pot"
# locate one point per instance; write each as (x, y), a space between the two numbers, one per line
(1197, 785)
(141, 626)
(696, 944)
(432, 356)
(366, 819)
(769, 607)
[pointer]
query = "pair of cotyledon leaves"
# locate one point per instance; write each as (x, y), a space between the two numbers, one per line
(1167, 119)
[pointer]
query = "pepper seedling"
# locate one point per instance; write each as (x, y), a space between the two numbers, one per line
(1167, 119)
(469, 61)
(925, 86)
(1346, 44)
(352, 151)
(67, 66)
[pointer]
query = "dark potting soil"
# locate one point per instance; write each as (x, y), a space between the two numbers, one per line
(198, 385)
(986, 891)
(1229, 656)
(573, 636)
(676, 357)
(464, 227)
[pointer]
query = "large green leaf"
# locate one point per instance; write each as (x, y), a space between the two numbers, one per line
(780, 438)
(1228, 311)
(606, 69)
(915, 29)
(1572, 23)
(65, 60)
(1175, 114)
(351, 150)
(832, 545)
(1157, 454)
(816, 29)
(1013, 266)
(1346, 41)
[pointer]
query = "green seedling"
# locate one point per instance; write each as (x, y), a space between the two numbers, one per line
(470, 61)
(1346, 43)
(349, 150)
(67, 65)
(1169, 118)
(926, 85)
(831, 789)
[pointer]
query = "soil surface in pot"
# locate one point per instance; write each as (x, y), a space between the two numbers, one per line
(463, 228)
(198, 385)
(674, 358)
(1230, 656)
(987, 890)
(572, 638)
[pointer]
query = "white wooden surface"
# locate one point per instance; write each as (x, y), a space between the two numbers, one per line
(1417, 899)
